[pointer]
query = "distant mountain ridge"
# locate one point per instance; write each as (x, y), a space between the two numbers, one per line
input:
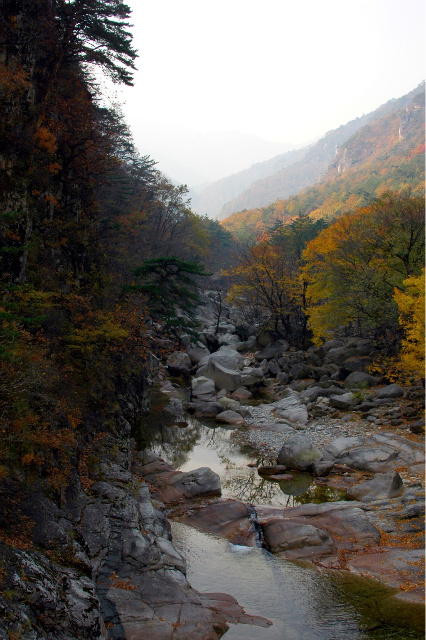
(209, 200)
(387, 153)
(298, 169)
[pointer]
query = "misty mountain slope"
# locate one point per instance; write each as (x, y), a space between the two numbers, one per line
(209, 200)
(385, 155)
(308, 170)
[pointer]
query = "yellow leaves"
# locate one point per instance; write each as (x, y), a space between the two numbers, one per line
(352, 266)
(411, 305)
(104, 331)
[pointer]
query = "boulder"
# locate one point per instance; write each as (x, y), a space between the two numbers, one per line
(227, 518)
(291, 408)
(175, 407)
(390, 391)
(229, 403)
(382, 486)
(197, 483)
(228, 358)
(274, 368)
(299, 453)
(283, 377)
(338, 355)
(313, 393)
(226, 327)
(359, 379)
(207, 409)
(251, 376)
(363, 346)
(332, 344)
(271, 470)
(223, 378)
(300, 370)
(202, 386)
(197, 353)
(274, 350)
(229, 339)
(344, 401)
(230, 417)
(284, 536)
(356, 363)
(241, 394)
(179, 363)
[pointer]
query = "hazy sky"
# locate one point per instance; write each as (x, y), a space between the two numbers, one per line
(285, 70)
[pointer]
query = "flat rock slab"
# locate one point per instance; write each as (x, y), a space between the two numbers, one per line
(378, 453)
(291, 408)
(228, 607)
(227, 518)
(397, 567)
(274, 427)
(313, 531)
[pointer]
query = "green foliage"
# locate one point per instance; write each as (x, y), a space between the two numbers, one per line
(170, 290)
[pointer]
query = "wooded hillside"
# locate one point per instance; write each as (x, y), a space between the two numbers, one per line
(387, 153)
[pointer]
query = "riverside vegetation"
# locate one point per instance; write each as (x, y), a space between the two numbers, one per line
(102, 271)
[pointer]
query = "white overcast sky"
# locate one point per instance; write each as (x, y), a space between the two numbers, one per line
(285, 70)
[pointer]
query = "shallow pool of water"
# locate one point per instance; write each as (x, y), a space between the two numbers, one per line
(303, 602)
(207, 445)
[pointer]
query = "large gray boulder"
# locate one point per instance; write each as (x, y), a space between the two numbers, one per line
(300, 370)
(251, 376)
(283, 536)
(197, 353)
(291, 408)
(390, 391)
(197, 483)
(299, 453)
(230, 417)
(179, 363)
(223, 378)
(359, 379)
(228, 358)
(338, 355)
(274, 350)
(382, 486)
(206, 409)
(202, 386)
(344, 401)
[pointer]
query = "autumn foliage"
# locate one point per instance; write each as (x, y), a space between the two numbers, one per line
(353, 266)
(80, 211)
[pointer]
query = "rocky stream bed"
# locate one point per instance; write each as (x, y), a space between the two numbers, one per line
(319, 487)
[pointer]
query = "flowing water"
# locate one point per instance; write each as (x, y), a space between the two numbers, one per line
(302, 601)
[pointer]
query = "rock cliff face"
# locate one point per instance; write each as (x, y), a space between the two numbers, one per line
(102, 564)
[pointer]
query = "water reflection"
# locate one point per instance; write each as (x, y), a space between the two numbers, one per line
(207, 445)
(304, 603)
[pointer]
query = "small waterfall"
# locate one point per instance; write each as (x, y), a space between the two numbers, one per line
(256, 528)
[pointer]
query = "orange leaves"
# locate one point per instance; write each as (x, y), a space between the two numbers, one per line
(13, 79)
(45, 139)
